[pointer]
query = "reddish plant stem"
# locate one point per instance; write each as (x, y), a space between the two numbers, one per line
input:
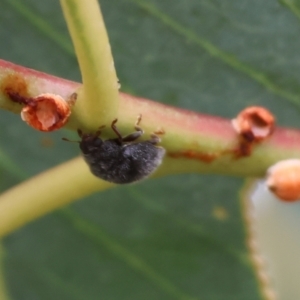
(188, 135)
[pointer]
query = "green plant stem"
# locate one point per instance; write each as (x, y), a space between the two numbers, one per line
(99, 97)
(46, 192)
(3, 290)
(64, 184)
(51, 190)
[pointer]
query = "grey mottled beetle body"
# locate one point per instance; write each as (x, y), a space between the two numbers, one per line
(123, 159)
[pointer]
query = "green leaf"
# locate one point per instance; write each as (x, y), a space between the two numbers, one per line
(180, 237)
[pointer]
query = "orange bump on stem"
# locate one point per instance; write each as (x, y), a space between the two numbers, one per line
(283, 179)
(46, 112)
(253, 125)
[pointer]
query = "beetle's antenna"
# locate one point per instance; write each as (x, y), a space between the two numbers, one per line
(67, 140)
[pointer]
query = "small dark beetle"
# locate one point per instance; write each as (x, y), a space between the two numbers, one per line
(122, 159)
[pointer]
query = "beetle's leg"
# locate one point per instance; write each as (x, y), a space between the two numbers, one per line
(132, 136)
(135, 135)
(90, 135)
(115, 129)
(98, 132)
(137, 123)
(154, 139)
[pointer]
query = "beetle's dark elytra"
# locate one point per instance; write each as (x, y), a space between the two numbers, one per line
(123, 159)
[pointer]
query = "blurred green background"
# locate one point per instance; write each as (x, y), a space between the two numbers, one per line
(180, 237)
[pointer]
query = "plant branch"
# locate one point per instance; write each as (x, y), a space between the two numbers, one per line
(3, 289)
(46, 192)
(208, 142)
(99, 97)
(194, 143)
